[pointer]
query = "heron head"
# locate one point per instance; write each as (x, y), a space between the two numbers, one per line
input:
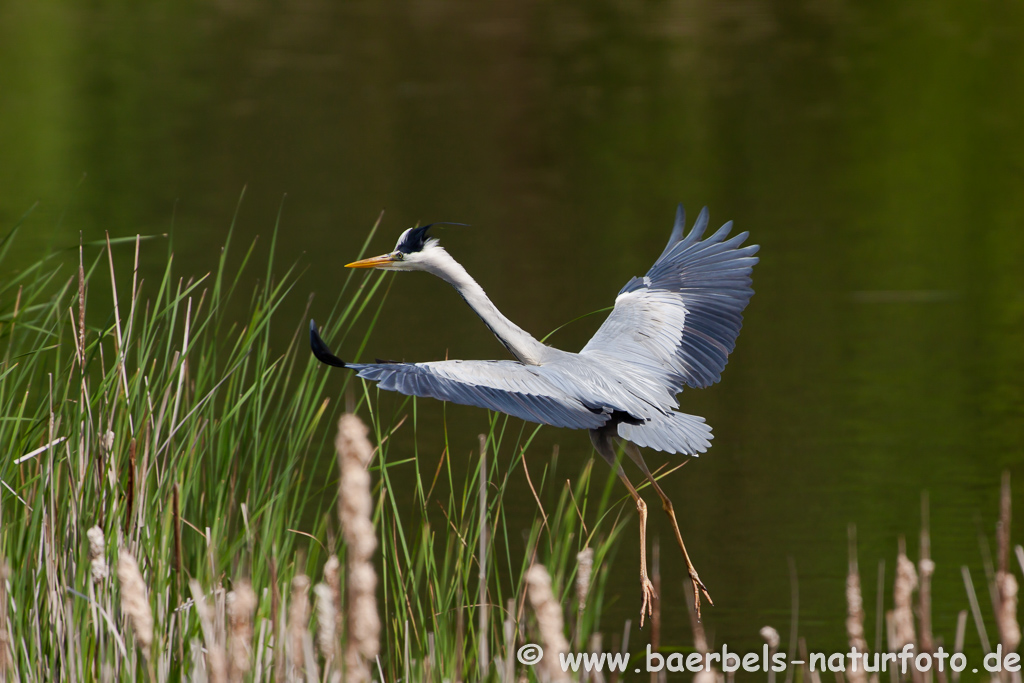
(412, 252)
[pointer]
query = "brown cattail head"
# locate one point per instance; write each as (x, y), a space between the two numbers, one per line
(135, 601)
(241, 606)
(97, 554)
(903, 614)
(355, 507)
(549, 621)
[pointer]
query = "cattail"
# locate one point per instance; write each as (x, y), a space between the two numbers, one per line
(855, 624)
(771, 638)
(1006, 583)
(332, 576)
(549, 620)
(855, 611)
(584, 566)
(241, 605)
(216, 659)
(1006, 617)
(298, 621)
(97, 556)
(325, 616)
(903, 614)
(135, 601)
(925, 570)
(355, 507)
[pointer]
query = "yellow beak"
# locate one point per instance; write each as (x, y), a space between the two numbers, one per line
(381, 261)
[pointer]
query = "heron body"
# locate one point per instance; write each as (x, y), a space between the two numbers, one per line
(672, 328)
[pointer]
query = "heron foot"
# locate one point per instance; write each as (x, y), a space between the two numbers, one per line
(647, 608)
(698, 588)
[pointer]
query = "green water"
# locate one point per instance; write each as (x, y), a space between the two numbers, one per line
(875, 151)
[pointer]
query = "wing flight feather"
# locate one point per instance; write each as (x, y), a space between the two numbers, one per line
(679, 323)
(505, 386)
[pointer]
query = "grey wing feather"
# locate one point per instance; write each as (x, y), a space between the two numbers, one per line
(679, 323)
(505, 386)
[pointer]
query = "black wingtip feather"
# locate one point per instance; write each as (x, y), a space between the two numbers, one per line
(320, 350)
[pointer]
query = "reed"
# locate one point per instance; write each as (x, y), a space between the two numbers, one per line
(160, 415)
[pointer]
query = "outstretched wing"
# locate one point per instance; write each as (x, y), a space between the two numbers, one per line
(678, 324)
(505, 386)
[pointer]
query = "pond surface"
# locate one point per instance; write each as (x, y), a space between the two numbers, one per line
(875, 151)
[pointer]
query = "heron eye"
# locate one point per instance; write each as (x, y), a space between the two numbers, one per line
(398, 256)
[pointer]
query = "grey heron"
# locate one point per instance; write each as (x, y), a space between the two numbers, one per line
(673, 327)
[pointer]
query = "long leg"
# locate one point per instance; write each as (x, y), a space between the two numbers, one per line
(603, 443)
(698, 586)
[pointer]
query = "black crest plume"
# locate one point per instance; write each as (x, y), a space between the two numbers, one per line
(416, 238)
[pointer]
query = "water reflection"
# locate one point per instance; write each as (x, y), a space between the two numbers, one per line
(875, 152)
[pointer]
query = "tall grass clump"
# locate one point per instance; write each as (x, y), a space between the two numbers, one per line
(149, 433)
(167, 506)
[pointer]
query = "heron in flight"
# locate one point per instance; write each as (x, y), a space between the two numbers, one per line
(673, 327)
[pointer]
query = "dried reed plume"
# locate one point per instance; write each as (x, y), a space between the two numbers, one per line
(903, 615)
(241, 606)
(855, 610)
(332, 622)
(216, 659)
(584, 566)
(549, 620)
(97, 554)
(1006, 618)
(135, 601)
(1006, 582)
(325, 620)
(355, 507)
(925, 570)
(298, 621)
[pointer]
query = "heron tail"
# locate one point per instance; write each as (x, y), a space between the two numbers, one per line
(671, 432)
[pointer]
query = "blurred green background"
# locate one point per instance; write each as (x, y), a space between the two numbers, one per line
(875, 151)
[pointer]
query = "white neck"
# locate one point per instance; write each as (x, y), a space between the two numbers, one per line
(519, 342)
